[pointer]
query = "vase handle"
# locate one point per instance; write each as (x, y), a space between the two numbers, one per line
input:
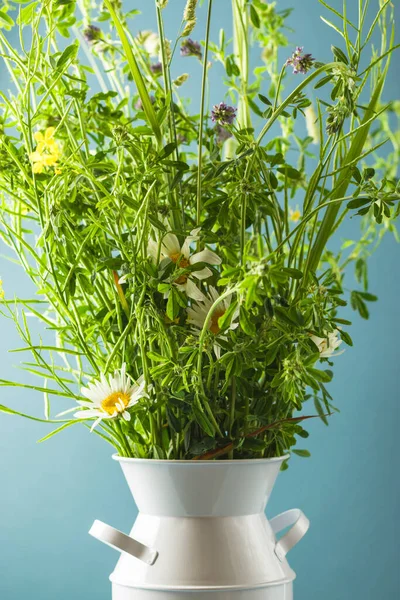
(123, 543)
(298, 523)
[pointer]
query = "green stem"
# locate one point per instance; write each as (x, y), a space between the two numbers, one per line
(202, 110)
(343, 182)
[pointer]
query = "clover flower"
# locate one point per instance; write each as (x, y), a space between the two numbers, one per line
(300, 62)
(191, 48)
(223, 114)
(110, 398)
(92, 34)
(156, 68)
(222, 134)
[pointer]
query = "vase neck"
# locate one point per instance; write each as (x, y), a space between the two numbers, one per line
(200, 489)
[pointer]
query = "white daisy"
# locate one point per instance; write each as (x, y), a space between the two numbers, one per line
(198, 313)
(328, 345)
(110, 398)
(181, 256)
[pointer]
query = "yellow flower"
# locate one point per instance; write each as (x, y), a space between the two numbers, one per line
(46, 141)
(47, 151)
(1, 290)
(295, 215)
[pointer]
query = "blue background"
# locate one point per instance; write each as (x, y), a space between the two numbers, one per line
(50, 493)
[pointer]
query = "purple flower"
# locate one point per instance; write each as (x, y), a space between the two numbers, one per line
(139, 104)
(300, 62)
(222, 134)
(191, 48)
(223, 114)
(92, 34)
(156, 68)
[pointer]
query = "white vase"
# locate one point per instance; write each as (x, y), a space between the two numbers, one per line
(202, 533)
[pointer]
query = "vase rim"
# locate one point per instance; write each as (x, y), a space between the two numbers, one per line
(241, 461)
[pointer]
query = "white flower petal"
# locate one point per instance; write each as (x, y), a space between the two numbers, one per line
(96, 423)
(202, 274)
(152, 249)
(170, 245)
(193, 237)
(206, 256)
(193, 291)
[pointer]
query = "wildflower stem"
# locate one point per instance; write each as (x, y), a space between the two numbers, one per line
(202, 111)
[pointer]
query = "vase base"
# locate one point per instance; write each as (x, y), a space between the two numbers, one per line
(274, 592)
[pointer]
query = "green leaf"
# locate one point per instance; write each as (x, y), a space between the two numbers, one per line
(340, 55)
(346, 338)
(10, 411)
(173, 420)
(203, 421)
(358, 202)
(290, 172)
(167, 150)
(26, 14)
(323, 376)
(6, 18)
(156, 357)
(264, 99)
(323, 81)
(136, 74)
(172, 305)
(255, 19)
(67, 56)
(293, 273)
(245, 322)
(61, 428)
(368, 297)
(302, 453)
(225, 320)
(320, 410)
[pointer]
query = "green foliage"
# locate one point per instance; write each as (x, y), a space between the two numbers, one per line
(210, 274)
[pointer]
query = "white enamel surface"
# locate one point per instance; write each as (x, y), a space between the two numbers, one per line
(278, 592)
(201, 488)
(204, 552)
(207, 523)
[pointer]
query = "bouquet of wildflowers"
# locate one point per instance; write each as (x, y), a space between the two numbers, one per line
(182, 260)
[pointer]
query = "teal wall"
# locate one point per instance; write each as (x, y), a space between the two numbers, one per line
(50, 493)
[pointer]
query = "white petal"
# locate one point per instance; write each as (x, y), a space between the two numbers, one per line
(171, 245)
(126, 416)
(206, 256)
(202, 274)
(193, 291)
(152, 249)
(193, 237)
(96, 423)
(217, 350)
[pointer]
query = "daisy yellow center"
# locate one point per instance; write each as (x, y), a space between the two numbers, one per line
(214, 327)
(182, 263)
(115, 402)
